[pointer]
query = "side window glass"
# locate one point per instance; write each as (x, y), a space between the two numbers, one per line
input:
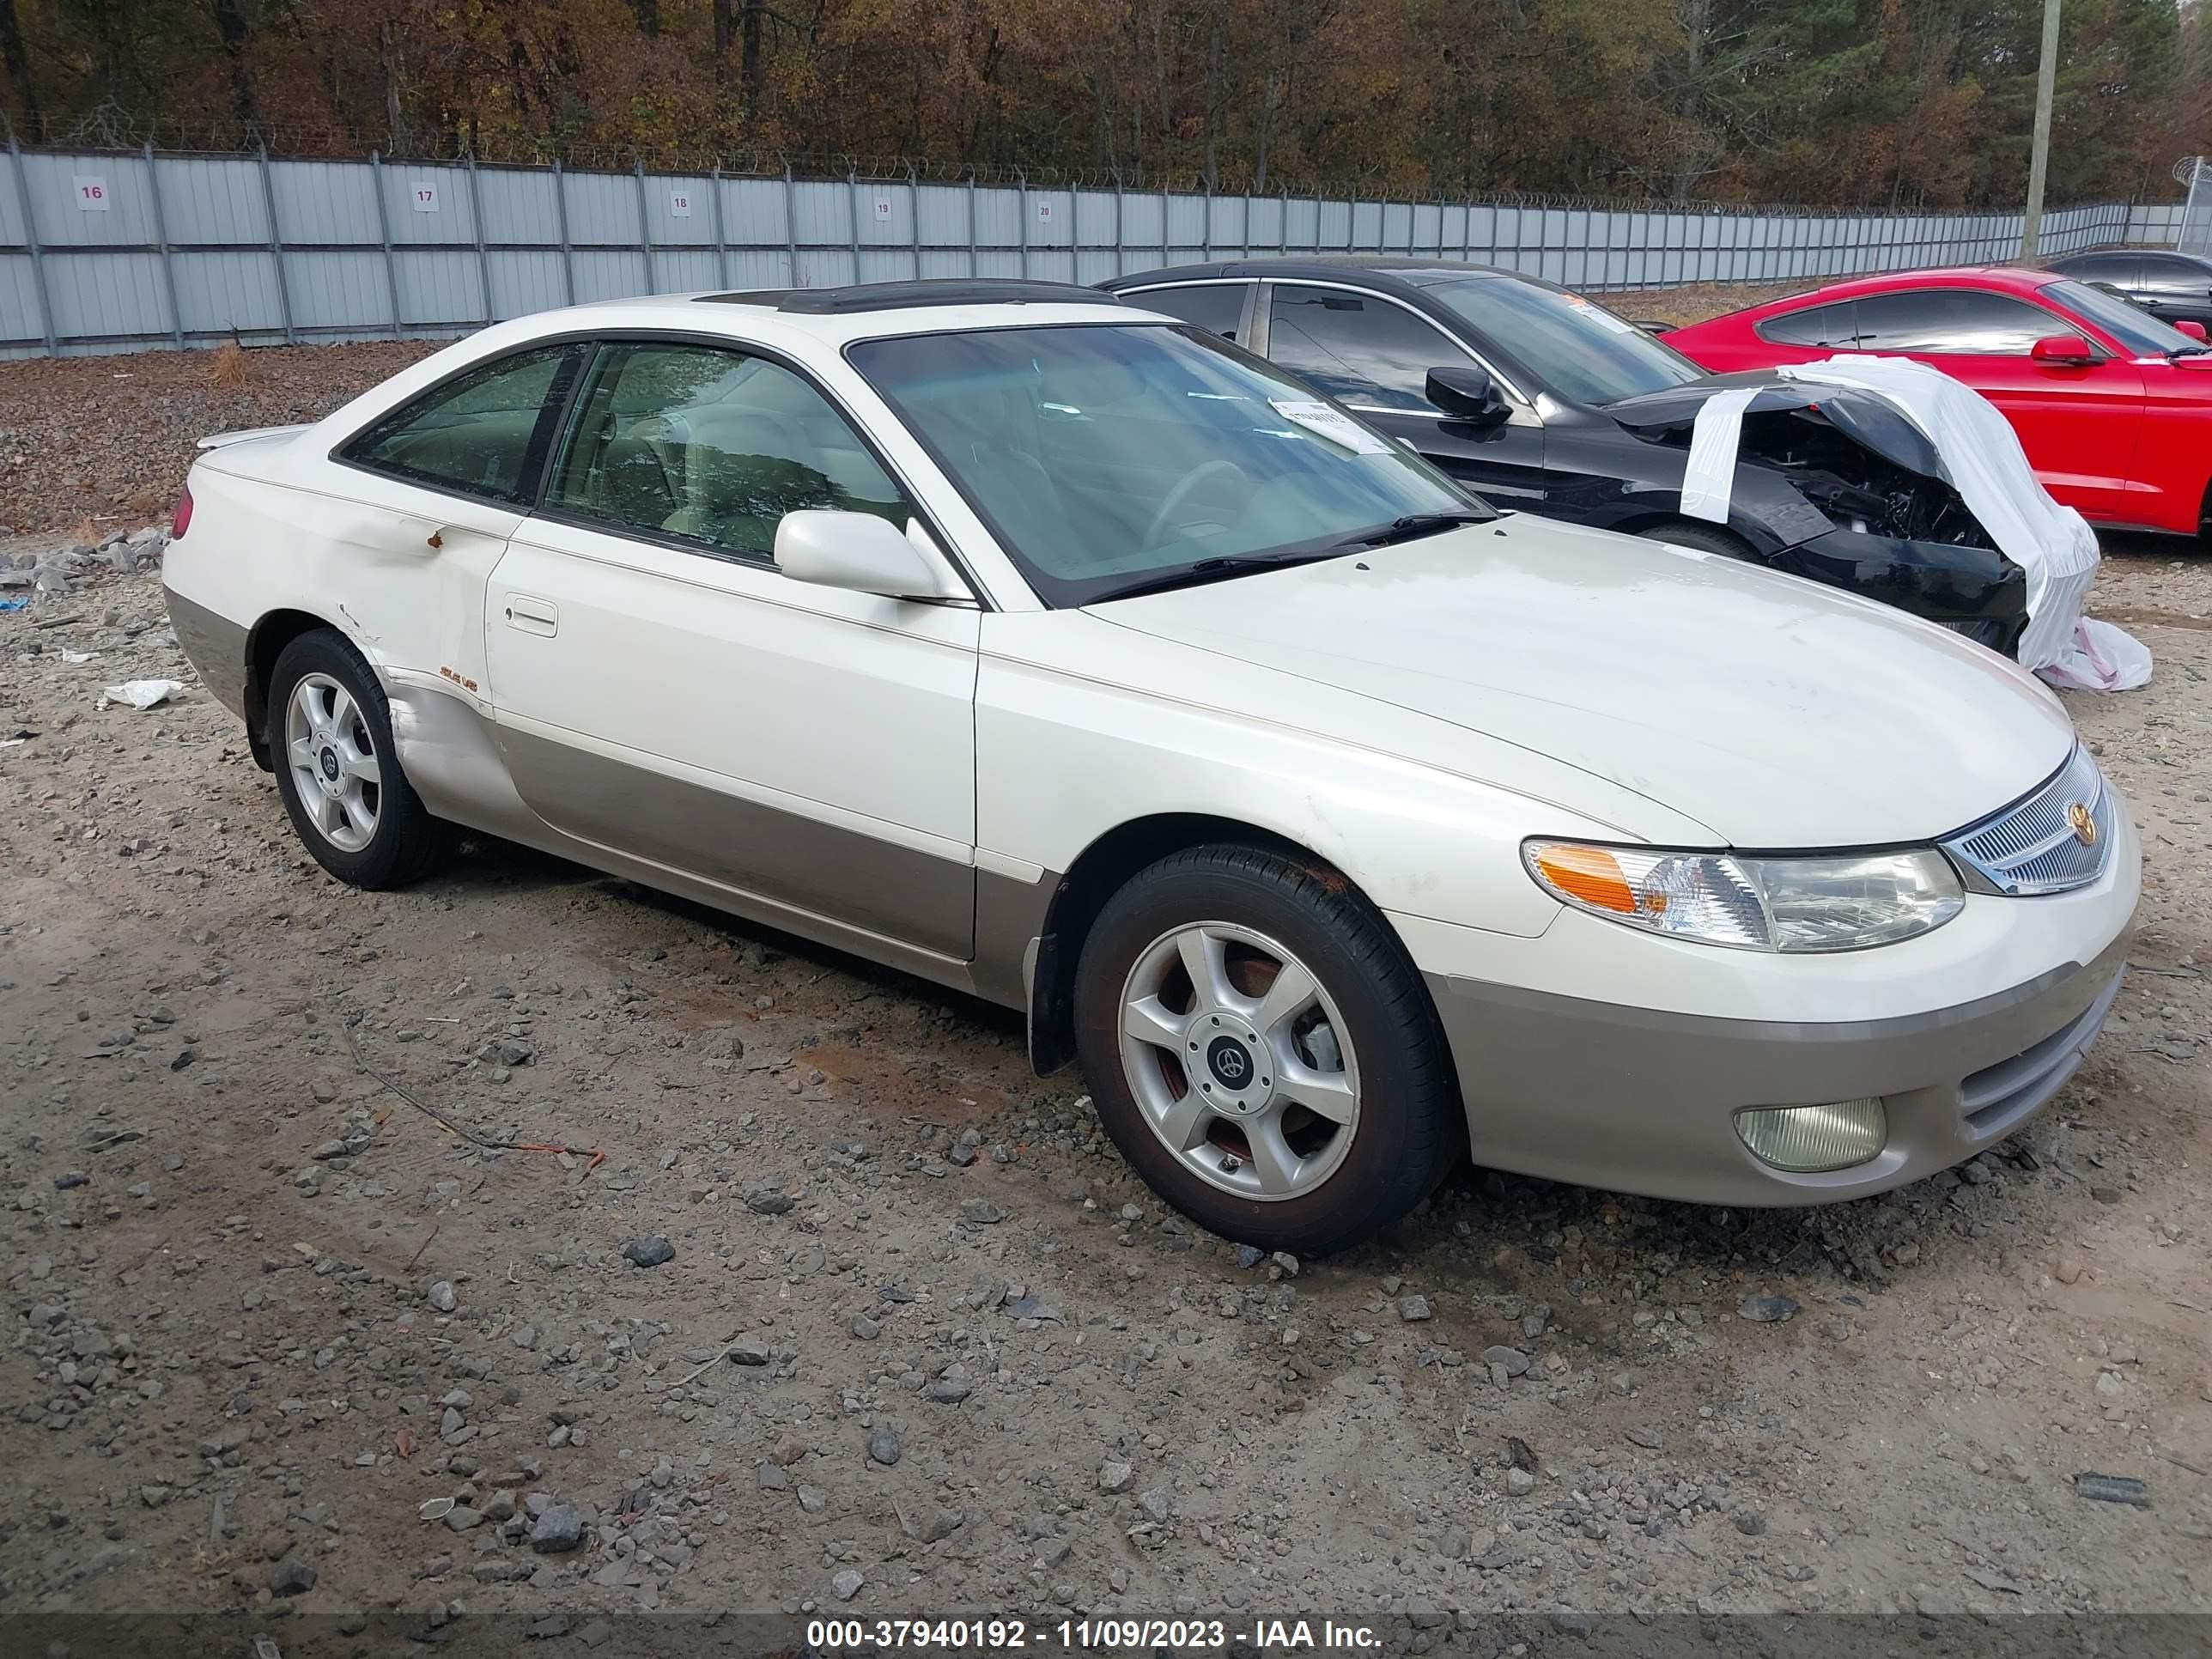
(1821, 326)
(1952, 319)
(2120, 268)
(711, 445)
(477, 433)
(1356, 347)
(1217, 308)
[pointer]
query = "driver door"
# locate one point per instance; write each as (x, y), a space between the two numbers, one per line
(663, 690)
(2079, 423)
(1373, 355)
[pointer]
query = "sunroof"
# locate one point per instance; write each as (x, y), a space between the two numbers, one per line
(907, 295)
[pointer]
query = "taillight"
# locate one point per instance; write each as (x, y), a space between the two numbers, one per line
(181, 519)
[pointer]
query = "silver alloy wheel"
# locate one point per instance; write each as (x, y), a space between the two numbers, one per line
(333, 758)
(1239, 1061)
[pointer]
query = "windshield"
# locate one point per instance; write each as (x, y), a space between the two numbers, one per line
(2136, 328)
(1579, 352)
(1107, 457)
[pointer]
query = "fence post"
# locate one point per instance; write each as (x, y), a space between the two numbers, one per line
(644, 224)
(1023, 180)
(561, 219)
(276, 247)
(162, 235)
(1206, 225)
(1282, 228)
(853, 218)
(913, 216)
(721, 238)
(384, 231)
(975, 254)
(1163, 224)
(38, 255)
(476, 223)
(791, 224)
(1121, 238)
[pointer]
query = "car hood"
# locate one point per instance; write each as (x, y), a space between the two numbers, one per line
(1873, 421)
(1777, 713)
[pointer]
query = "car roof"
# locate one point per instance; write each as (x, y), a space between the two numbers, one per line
(1385, 271)
(2128, 251)
(833, 317)
(2004, 279)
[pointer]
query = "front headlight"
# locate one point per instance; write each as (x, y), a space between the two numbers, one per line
(1839, 902)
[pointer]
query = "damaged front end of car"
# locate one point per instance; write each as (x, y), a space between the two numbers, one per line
(1835, 485)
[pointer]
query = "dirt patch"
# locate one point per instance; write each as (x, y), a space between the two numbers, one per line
(1681, 306)
(88, 443)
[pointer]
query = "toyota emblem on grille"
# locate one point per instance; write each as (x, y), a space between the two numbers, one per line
(2083, 822)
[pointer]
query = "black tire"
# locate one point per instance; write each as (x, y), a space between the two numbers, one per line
(406, 843)
(1707, 539)
(1411, 1127)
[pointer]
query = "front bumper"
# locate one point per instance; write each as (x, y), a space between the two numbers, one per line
(1643, 1101)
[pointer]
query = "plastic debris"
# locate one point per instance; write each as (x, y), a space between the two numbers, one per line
(79, 656)
(1983, 459)
(2113, 1489)
(13, 605)
(142, 694)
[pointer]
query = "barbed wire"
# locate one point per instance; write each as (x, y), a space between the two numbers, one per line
(111, 127)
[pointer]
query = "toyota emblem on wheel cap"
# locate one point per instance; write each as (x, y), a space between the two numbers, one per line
(1231, 1061)
(2083, 822)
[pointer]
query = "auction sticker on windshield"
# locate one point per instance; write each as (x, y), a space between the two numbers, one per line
(1323, 421)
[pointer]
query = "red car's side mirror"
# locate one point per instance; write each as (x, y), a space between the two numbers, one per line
(2194, 330)
(2065, 349)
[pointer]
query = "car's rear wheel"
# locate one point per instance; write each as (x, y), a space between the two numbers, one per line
(1704, 537)
(1263, 1051)
(329, 732)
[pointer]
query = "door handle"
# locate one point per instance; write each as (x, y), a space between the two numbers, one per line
(533, 615)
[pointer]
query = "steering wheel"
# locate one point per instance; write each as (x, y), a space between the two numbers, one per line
(1185, 488)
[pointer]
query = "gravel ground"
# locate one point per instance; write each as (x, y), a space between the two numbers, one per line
(302, 1320)
(96, 442)
(93, 442)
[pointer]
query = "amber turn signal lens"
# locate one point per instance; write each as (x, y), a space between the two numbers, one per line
(1587, 873)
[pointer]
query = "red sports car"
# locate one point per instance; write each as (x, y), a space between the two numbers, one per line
(2113, 406)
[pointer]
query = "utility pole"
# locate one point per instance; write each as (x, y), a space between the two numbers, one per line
(2039, 162)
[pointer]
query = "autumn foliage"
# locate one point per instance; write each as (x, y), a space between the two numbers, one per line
(1890, 102)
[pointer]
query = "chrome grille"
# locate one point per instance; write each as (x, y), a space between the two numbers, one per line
(2032, 846)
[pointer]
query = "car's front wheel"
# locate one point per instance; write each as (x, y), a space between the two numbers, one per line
(329, 731)
(1263, 1051)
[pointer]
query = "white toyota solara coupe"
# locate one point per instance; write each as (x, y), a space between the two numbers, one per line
(1053, 650)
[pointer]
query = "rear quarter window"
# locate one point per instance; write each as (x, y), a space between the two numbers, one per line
(1817, 325)
(482, 433)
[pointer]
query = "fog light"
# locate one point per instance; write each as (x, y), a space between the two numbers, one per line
(1809, 1139)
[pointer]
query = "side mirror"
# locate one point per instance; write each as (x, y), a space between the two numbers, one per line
(2193, 329)
(860, 552)
(2062, 348)
(1466, 394)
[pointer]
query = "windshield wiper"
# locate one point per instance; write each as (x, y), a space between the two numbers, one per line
(1207, 570)
(1417, 524)
(2193, 350)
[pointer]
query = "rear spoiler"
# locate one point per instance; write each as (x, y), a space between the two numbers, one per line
(244, 434)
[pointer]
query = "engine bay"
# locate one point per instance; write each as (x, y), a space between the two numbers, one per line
(1856, 487)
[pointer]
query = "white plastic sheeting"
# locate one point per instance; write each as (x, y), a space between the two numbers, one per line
(1984, 461)
(1708, 480)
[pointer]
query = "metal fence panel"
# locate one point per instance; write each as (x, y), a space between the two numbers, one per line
(121, 250)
